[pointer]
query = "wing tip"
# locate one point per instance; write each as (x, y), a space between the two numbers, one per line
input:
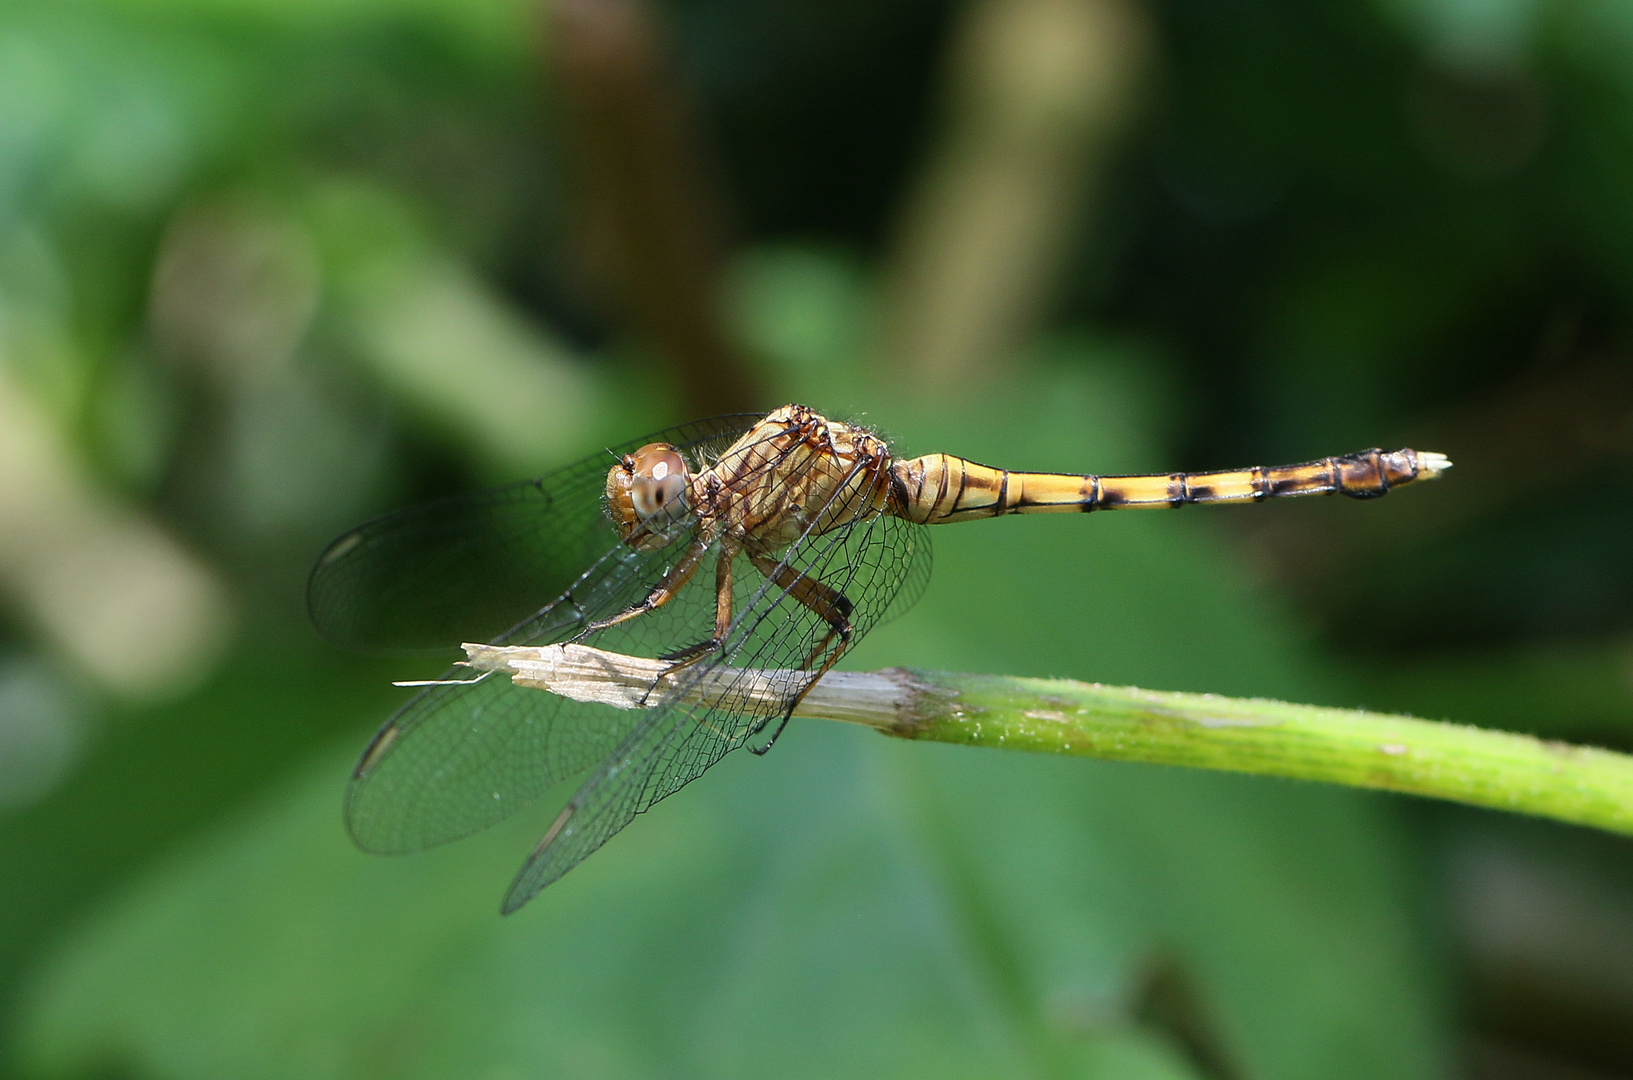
(529, 882)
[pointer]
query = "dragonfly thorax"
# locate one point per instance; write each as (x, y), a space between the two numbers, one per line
(794, 474)
(647, 492)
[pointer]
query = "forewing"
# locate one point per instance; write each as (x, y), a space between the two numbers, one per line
(773, 636)
(459, 757)
(469, 568)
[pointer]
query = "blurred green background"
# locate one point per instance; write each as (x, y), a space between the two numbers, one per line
(268, 268)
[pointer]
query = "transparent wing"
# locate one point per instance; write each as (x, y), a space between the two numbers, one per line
(469, 568)
(458, 758)
(773, 635)
(915, 577)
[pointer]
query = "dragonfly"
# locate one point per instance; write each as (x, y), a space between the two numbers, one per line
(761, 545)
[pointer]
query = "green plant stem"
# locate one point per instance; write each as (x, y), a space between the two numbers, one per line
(1472, 765)
(1496, 769)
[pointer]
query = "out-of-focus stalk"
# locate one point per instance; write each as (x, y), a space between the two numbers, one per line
(648, 212)
(1036, 91)
(104, 584)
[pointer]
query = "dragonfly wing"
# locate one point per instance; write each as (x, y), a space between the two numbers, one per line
(673, 745)
(426, 578)
(773, 637)
(461, 756)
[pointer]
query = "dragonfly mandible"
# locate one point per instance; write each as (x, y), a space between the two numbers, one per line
(805, 533)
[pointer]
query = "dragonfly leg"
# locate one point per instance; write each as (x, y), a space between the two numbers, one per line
(663, 592)
(765, 748)
(788, 713)
(691, 654)
(722, 614)
(828, 603)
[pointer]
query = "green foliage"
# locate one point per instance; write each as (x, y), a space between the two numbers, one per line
(1329, 225)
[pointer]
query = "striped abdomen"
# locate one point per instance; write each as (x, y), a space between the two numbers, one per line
(939, 488)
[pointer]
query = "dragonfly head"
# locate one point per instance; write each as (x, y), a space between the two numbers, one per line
(646, 492)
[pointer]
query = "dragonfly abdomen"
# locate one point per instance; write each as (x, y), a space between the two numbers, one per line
(939, 488)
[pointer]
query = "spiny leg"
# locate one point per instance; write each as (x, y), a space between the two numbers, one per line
(691, 654)
(673, 580)
(828, 604)
(722, 613)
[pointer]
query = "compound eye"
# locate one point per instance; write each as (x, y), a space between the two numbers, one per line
(658, 488)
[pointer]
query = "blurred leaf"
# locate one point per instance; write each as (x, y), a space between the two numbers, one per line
(766, 925)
